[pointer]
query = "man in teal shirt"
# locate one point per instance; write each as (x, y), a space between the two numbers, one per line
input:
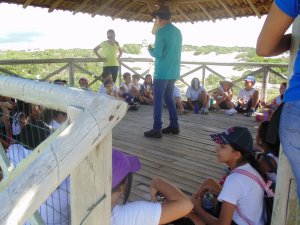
(167, 54)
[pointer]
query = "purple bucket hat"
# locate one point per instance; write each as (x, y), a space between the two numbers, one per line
(122, 165)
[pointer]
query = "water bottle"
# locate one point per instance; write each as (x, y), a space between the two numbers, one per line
(208, 202)
(266, 115)
(196, 109)
(211, 102)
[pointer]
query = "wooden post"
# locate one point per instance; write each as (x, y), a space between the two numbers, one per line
(265, 82)
(286, 207)
(91, 186)
(71, 73)
(203, 76)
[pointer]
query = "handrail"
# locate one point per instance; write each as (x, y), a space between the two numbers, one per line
(44, 170)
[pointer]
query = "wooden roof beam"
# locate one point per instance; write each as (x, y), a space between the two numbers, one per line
(122, 10)
(184, 15)
(55, 5)
(227, 9)
(27, 3)
(80, 7)
(206, 12)
(252, 6)
(105, 3)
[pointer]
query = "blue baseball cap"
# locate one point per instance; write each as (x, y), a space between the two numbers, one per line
(250, 78)
(239, 136)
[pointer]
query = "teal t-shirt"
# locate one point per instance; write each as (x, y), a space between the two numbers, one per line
(292, 9)
(167, 53)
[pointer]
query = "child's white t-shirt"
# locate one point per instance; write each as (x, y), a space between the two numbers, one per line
(177, 93)
(127, 87)
(194, 94)
(245, 193)
(136, 213)
(245, 95)
(56, 209)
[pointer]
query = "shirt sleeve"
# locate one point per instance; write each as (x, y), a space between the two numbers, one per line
(231, 191)
(157, 51)
(188, 93)
(137, 213)
(290, 7)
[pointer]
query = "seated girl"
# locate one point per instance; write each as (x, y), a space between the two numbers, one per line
(276, 101)
(137, 90)
(84, 84)
(196, 95)
(241, 197)
(223, 97)
(268, 158)
(148, 88)
(176, 204)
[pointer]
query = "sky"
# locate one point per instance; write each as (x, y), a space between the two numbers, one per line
(35, 28)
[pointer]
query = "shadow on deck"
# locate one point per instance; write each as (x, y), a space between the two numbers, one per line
(186, 159)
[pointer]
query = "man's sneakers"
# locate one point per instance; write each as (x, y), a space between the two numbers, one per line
(168, 130)
(230, 112)
(153, 134)
(250, 113)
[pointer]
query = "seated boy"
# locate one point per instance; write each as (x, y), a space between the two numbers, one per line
(248, 98)
(197, 94)
(178, 100)
(102, 89)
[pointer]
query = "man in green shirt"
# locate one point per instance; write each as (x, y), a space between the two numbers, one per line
(167, 54)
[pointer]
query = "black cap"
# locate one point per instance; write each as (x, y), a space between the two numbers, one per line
(239, 136)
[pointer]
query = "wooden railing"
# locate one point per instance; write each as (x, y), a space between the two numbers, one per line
(81, 149)
(202, 70)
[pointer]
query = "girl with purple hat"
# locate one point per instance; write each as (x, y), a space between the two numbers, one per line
(176, 204)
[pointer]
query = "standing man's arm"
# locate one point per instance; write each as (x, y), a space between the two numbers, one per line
(157, 51)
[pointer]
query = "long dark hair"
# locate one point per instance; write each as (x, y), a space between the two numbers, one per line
(128, 182)
(262, 133)
(250, 158)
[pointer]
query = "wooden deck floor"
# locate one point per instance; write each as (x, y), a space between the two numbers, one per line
(186, 159)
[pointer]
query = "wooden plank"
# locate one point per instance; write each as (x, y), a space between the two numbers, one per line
(91, 186)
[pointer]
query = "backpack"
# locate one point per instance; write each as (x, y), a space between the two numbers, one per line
(268, 195)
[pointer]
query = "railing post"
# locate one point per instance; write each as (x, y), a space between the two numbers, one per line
(265, 82)
(91, 186)
(203, 75)
(71, 73)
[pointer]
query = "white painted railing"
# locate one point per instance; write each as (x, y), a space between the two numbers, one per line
(82, 150)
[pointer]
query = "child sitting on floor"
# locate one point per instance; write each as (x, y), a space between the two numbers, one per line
(102, 89)
(268, 159)
(137, 90)
(241, 197)
(197, 96)
(148, 88)
(248, 98)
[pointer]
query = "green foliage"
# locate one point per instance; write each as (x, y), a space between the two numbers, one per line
(134, 49)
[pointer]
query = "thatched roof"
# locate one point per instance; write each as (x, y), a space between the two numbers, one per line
(140, 10)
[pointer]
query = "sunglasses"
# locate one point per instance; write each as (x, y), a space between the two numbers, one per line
(110, 37)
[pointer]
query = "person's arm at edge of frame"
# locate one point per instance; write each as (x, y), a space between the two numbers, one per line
(272, 39)
(177, 204)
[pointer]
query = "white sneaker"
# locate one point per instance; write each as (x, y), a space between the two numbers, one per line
(204, 111)
(230, 112)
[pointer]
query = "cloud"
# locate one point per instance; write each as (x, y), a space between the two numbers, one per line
(19, 37)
